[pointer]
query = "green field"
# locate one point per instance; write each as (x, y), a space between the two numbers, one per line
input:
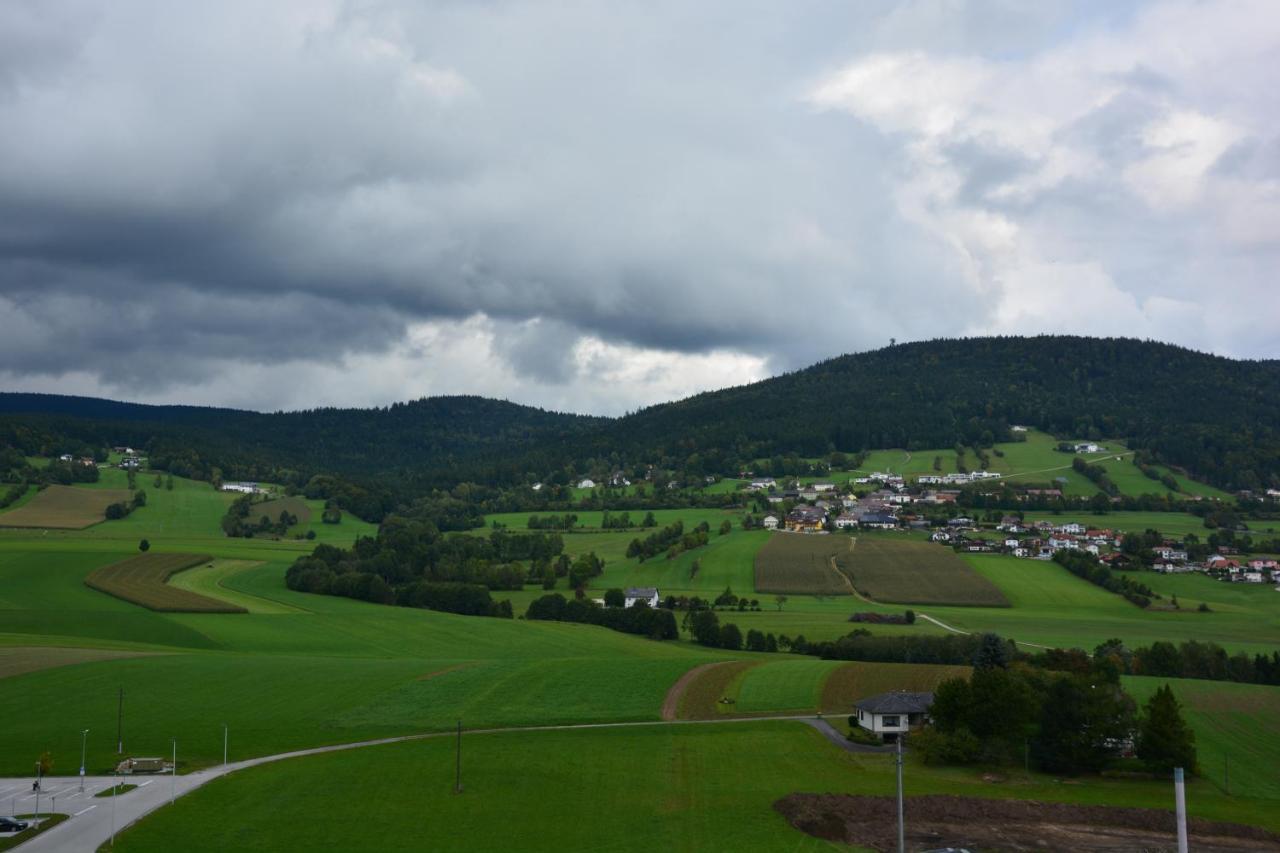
(896, 571)
(302, 670)
(688, 787)
(1169, 523)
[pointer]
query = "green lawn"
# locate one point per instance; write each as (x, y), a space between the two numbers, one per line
(686, 787)
(1169, 523)
(1235, 726)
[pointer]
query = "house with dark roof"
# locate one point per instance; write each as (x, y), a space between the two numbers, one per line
(647, 594)
(891, 714)
(806, 519)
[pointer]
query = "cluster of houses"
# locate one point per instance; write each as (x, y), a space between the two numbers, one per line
(87, 461)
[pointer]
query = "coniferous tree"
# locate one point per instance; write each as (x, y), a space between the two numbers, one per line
(1165, 741)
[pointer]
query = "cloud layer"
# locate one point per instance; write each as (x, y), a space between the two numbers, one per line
(594, 207)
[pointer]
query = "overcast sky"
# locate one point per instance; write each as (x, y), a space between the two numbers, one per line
(595, 206)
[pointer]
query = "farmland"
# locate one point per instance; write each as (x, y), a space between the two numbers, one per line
(143, 580)
(64, 507)
(342, 670)
(910, 572)
(799, 564)
(690, 787)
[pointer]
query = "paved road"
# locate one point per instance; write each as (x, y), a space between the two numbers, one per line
(93, 819)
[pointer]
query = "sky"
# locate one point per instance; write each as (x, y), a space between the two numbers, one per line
(593, 207)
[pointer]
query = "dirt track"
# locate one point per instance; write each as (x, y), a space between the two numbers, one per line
(671, 703)
(983, 824)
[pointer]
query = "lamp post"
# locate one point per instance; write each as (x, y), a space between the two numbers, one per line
(39, 776)
(902, 841)
(173, 776)
(84, 743)
(224, 745)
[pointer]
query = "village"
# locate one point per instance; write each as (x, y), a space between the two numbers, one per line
(824, 508)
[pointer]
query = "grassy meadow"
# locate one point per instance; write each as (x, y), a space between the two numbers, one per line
(300, 670)
(689, 787)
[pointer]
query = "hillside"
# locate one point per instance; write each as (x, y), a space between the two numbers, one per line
(1216, 417)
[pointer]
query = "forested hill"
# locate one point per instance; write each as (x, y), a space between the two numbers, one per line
(1215, 416)
(428, 435)
(1219, 418)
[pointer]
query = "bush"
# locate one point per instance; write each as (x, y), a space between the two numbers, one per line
(958, 747)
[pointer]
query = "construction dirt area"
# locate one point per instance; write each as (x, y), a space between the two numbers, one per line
(985, 825)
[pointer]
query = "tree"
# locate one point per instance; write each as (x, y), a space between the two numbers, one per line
(779, 600)
(993, 652)
(144, 546)
(755, 640)
(725, 527)
(730, 637)
(1165, 741)
(705, 627)
(615, 598)
(139, 498)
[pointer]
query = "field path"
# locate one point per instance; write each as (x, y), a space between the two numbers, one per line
(93, 821)
(944, 626)
(671, 703)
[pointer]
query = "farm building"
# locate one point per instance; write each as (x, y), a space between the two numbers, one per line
(891, 714)
(244, 488)
(647, 594)
(586, 483)
(804, 519)
(770, 522)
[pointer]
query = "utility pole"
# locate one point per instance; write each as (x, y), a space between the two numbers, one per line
(1180, 801)
(173, 776)
(1227, 773)
(457, 775)
(84, 742)
(39, 777)
(115, 791)
(902, 833)
(120, 724)
(224, 746)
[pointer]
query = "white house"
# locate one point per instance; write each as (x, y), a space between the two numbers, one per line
(647, 594)
(845, 520)
(537, 487)
(763, 484)
(66, 457)
(1017, 428)
(586, 483)
(824, 487)
(244, 488)
(1087, 447)
(891, 714)
(770, 522)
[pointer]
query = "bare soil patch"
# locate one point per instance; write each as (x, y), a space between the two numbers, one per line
(948, 821)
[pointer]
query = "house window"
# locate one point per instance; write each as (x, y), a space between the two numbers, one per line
(891, 721)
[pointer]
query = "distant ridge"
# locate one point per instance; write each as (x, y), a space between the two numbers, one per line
(1217, 417)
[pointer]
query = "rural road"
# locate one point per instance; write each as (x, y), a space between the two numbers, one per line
(94, 819)
(944, 626)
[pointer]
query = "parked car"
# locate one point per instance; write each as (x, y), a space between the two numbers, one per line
(8, 824)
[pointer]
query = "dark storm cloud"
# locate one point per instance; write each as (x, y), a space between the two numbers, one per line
(190, 190)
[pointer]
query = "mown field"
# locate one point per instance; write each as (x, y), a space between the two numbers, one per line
(790, 685)
(801, 564)
(144, 580)
(688, 787)
(898, 571)
(63, 507)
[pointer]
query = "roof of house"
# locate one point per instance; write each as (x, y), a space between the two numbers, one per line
(897, 702)
(641, 592)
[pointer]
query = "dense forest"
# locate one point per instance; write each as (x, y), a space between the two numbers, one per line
(1217, 418)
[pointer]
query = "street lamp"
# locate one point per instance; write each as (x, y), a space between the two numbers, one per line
(84, 743)
(224, 745)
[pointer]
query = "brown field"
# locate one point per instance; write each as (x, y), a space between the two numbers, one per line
(142, 580)
(857, 681)
(904, 572)
(16, 660)
(272, 508)
(65, 507)
(701, 697)
(801, 564)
